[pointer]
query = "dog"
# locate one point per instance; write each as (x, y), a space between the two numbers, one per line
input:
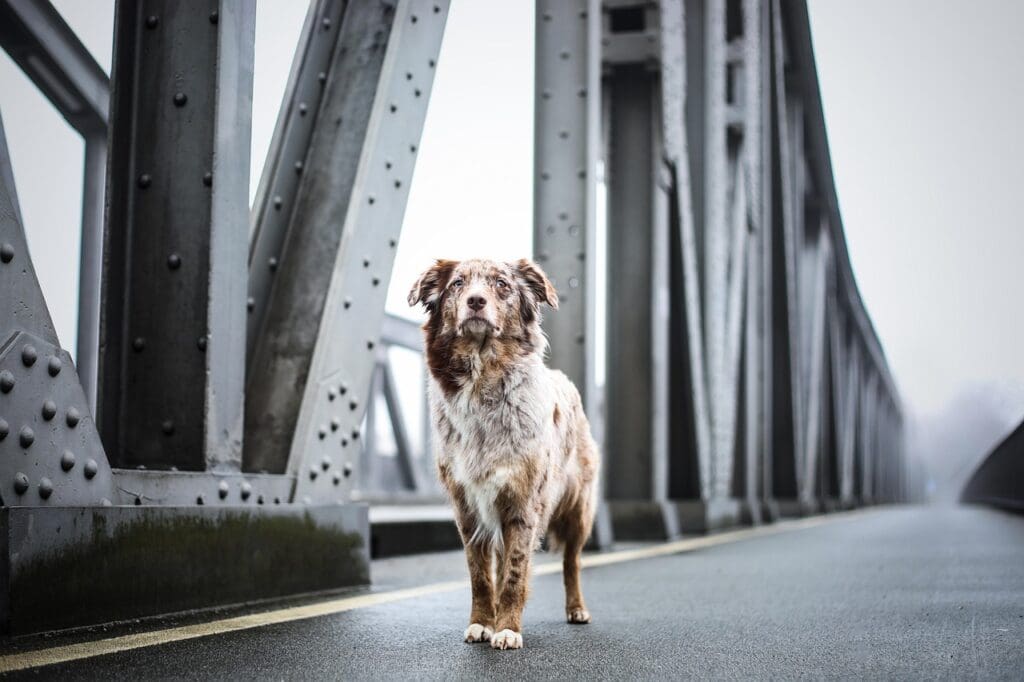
(513, 446)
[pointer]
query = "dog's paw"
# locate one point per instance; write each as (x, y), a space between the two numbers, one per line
(507, 639)
(579, 616)
(478, 633)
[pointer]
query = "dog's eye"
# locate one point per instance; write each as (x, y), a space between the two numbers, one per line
(458, 283)
(501, 284)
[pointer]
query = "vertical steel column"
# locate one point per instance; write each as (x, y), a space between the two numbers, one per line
(566, 141)
(815, 348)
(632, 333)
(50, 452)
(310, 374)
(173, 301)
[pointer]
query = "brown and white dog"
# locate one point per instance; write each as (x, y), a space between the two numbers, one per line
(513, 445)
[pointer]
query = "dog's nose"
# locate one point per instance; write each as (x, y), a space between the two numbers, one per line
(476, 302)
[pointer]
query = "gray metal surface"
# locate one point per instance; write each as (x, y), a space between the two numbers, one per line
(920, 593)
(50, 452)
(172, 337)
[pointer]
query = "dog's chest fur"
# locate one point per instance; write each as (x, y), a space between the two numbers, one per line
(493, 433)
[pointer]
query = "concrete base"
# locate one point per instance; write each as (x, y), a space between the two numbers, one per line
(64, 567)
(700, 516)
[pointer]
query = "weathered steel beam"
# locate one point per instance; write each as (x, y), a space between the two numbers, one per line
(50, 452)
(312, 360)
(173, 301)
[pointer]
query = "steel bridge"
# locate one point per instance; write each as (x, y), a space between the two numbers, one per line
(233, 379)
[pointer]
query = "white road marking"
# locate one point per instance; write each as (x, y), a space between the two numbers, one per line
(112, 645)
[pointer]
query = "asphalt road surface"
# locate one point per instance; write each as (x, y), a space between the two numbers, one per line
(896, 593)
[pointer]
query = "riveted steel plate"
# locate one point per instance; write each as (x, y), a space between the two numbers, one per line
(50, 452)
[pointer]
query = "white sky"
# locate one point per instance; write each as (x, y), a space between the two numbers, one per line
(923, 105)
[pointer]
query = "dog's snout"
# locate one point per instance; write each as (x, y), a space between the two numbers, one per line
(476, 302)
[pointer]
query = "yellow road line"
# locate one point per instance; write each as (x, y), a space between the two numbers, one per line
(72, 652)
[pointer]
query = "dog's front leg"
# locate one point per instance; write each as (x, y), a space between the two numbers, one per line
(519, 537)
(481, 618)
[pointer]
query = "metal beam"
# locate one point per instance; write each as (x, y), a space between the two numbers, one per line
(313, 359)
(50, 452)
(173, 300)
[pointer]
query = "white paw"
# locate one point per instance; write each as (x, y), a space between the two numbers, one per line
(507, 639)
(477, 633)
(578, 616)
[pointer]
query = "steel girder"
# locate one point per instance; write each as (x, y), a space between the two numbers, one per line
(172, 341)
(50, 451)
(49, 52)
(323, 311)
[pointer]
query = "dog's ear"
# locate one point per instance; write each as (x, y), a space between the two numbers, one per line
(427, 289)
(537, 282)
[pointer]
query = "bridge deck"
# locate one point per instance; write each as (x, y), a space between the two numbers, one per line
(904, 593)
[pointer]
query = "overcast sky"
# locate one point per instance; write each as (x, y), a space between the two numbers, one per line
(923, 104)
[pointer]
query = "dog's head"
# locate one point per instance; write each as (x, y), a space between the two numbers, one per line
(484, 298)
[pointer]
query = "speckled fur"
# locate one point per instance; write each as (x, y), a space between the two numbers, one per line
(513, 446)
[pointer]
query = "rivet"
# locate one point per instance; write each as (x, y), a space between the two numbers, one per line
(259, 500)
(6, 252)
(67, 460)
(200, 501)
(369, 345)
(91, 469)
(353, 404)
(342, 389)
(366, 262)
(347, 303)
(29, 355)
(326, 23)
(54, 365)
(564, 54)
(138, 501)
(313, 473)
(347, 469)
(545, 94)
(6, 381)
(437, 9)
(49, 410)
(580, 339)
(550, 229)
(573, 282)
(417, 92)
(581, 174)
(208, 178)
(73, 417)
(563, 216)
(246, 490)
(20, 483)
(298, 168)
(303, 108)
(331, 393)
(564, 134)
(152, 21)
(167, 427)
(414, 18)
(321, 433)
(201, 343)
(547, 16)
(355, 434)
(336, 478)
(214, 16)
(26, 436)
(370, 199)
(277, 500)
(392, 243)
(325, 463)
(174, 261)
(344, 442)
(376, 281)
(277, 202)
(544, 175)
(582, 92)
(222, 489)
(398, 183)
(272, 263)
(250, 303)
(180, 99)
(412, 148)
(105, 502)
(5, 428)
(431, 62)
(335, 423)
(138, 344)
(145, 180)
(387, 165)
(581, 256)
(322, 77)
